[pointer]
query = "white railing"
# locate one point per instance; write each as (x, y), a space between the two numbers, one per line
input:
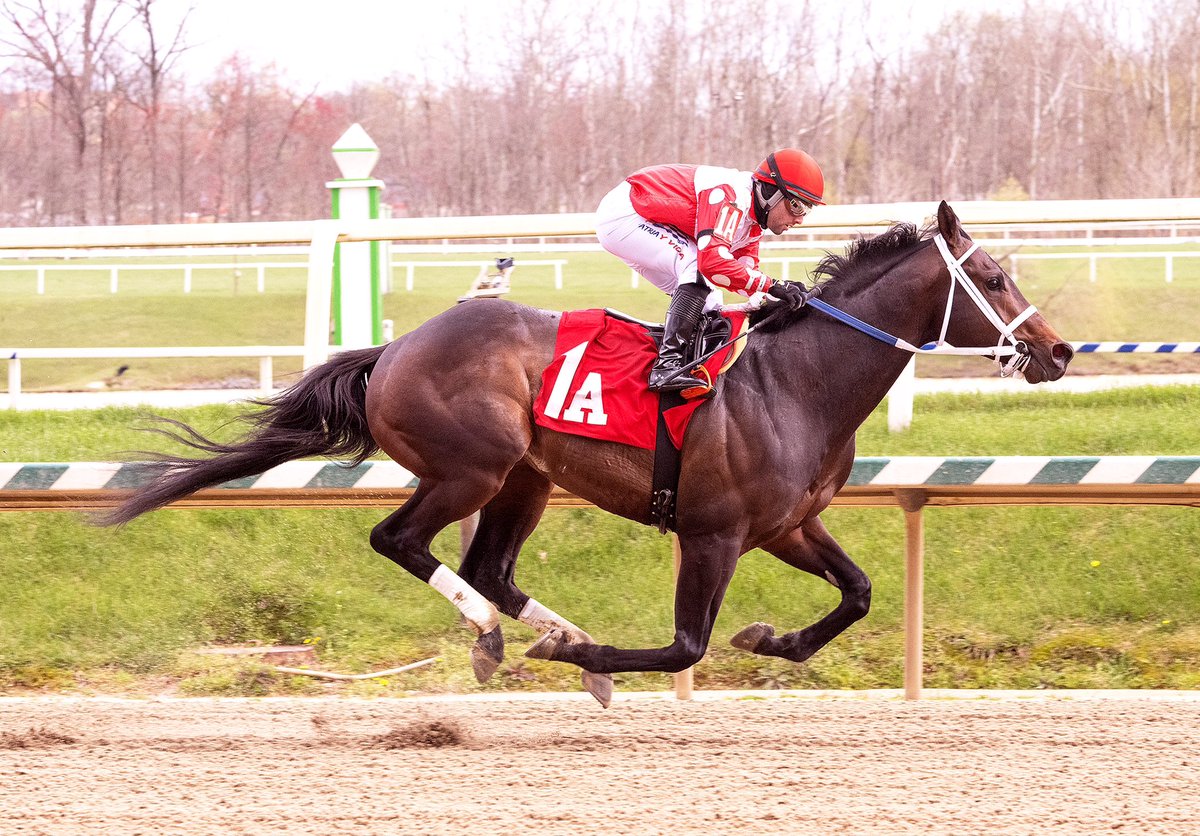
(1093, 258)
(264, 353)
(320, 236)
(900, 397)
(259, 268)
(411, 266)
(114, 271)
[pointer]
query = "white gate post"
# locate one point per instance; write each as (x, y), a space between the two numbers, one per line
(14, 380)
(900, 398)
(320, 289)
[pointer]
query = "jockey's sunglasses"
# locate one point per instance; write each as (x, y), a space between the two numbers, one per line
(798, 207)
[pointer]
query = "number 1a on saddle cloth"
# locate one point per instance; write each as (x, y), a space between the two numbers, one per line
(596, 384)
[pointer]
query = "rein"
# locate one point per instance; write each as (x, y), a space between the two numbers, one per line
(687, 367)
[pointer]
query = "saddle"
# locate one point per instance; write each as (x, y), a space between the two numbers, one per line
(596, 387)
(713, 331)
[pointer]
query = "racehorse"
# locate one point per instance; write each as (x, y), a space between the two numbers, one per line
(452, 402)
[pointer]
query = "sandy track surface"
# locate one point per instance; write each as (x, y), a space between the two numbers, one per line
(763, 766)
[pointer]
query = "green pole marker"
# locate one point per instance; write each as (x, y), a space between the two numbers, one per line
(357, 287)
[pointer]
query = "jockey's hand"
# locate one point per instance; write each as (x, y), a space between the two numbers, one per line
(793, 294)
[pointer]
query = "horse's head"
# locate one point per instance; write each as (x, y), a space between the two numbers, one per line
(988, 309)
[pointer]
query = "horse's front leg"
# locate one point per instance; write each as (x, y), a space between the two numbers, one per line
(706, 566)
(812, 548)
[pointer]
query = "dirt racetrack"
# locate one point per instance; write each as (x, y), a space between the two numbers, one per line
(319, 766)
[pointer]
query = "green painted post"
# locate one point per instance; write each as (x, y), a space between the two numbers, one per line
(357, 290)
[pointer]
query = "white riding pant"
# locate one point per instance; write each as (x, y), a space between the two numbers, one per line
(661, 254)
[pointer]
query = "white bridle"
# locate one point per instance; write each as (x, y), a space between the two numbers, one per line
(1016, 349)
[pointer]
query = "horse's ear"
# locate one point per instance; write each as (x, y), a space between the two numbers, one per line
(949, 225)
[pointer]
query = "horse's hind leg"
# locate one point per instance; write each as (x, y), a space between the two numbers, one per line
(491, 560)
(505, 523)
(404, 538)
(706, 566)
(812, 549)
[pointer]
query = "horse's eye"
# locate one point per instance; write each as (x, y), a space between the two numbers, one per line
(994, 283)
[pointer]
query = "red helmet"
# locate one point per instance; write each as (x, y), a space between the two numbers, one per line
(795, 173)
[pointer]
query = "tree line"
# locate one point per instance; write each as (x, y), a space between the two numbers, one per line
(1072, 100)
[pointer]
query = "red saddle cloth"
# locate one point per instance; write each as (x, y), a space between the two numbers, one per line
(596, 384)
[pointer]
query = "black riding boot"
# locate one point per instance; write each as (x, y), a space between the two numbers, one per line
(683, 318)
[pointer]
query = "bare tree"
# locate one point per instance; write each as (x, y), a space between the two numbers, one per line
(1061, 102)
(156, 56)
(72, 51)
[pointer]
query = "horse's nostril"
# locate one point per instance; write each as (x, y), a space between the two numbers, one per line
(1062, 354)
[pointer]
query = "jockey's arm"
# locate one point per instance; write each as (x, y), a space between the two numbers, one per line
(719, 220)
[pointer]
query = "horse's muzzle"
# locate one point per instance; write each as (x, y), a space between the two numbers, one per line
(1049, 364)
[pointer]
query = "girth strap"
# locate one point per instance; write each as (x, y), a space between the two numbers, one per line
(664, 489)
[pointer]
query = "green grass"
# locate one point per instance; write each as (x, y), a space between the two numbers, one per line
(151, 310)
(1130, 301)
(1013, 598)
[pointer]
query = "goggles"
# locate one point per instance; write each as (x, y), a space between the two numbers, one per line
(798, 207)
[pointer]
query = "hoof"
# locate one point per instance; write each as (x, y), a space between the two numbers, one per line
(599, 685)
(545, 646)
(487, 653)
(751, 637)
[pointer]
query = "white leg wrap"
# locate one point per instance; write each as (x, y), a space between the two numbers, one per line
(474, 607)
(543, 619)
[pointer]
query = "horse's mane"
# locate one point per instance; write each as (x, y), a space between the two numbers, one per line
(866, 255)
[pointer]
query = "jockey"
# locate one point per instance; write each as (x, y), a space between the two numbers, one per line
(693, 231)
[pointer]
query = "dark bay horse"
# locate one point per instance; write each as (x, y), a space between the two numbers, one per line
(452, 402)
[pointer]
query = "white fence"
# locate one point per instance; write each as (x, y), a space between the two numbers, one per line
(264, 353)
(187, 270)
(259, 268)
(411, 266)
(321, 236)
(1092, 259)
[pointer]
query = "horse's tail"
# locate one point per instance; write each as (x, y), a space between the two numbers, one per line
(322, 414)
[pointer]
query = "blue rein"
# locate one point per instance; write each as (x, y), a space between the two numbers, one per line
(858, 324)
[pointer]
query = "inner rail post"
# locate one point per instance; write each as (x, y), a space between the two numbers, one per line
(684, 680)
(912, 501)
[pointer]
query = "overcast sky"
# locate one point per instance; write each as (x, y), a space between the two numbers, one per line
(328, 44)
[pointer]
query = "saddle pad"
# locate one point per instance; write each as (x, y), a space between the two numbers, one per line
(596, 384)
